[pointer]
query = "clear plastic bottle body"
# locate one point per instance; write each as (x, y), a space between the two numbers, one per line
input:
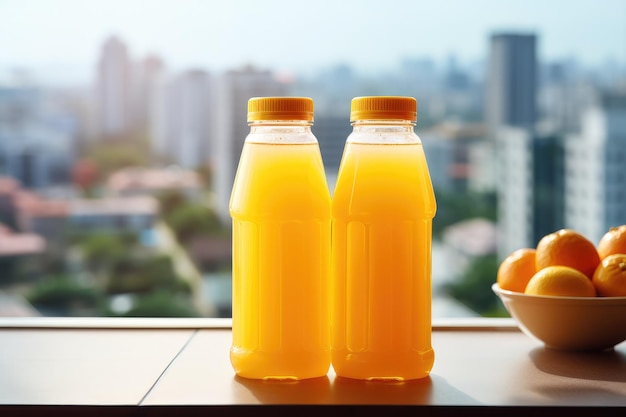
(382, 211)
(280, 206)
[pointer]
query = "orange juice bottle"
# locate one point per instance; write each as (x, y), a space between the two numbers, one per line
(280, 206)
(382, 211)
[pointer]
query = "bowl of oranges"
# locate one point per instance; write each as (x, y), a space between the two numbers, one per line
(566, 292)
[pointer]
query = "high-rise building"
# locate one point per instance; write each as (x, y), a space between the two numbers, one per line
(36, 140)
(236, 87)
(563, 95)
(514, 189)
(114, 90)
(548, 184)
(530, 187)
(197, 116)
(510, 112)
(160, 114)
(595, 180)
(148, 73)
(449, 148)
(511, 81)
(185, 118)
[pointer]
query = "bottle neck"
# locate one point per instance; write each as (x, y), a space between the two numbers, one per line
(383, 132)
(269, 123)
(384, 125)
(281, 132)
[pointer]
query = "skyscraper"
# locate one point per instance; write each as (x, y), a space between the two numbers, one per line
(114, 90)
(511, 81)
(148, 74)
(514, 189)
(595, 178)
(196, 141)
(182, 117)
(510, 112)
(530, 187)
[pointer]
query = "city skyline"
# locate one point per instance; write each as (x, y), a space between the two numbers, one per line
(216, 36)
(60, 146)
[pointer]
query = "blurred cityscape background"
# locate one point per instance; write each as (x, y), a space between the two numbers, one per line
(114, 187)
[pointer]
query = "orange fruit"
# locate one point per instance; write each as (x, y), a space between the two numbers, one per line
(516, 270)
(567, 247)
(610, 276)
(560, 280)
(613, 241)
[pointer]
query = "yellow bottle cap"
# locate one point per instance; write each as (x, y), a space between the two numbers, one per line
(280, 108)
(383, 108)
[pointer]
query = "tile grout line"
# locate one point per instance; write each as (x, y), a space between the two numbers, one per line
(182, 349)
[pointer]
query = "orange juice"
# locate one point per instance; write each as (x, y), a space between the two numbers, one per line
(382, 213)
(280, 207)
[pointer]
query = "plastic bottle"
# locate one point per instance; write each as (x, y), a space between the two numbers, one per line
(280, 206)
(382, 212)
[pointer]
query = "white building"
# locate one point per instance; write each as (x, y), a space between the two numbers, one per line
(482, 167)
(148, 75)
(124, 214)
(194, 137)
(531, 186)
(595, 174)
(114, 90)
(514, 172)
(154, 182)
(182, 118)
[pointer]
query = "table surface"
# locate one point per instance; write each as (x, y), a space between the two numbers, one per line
(162, 365)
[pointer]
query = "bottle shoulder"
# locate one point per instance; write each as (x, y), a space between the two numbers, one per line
(384, 179)
(285, 179)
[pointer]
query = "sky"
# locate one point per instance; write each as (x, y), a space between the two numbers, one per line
(61, 39)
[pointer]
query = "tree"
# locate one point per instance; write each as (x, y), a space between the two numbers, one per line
(455, 207)
(170, 200)
(101, 250)
(162, 304)
(191, 220)
(474, 288)
(62, 295)
(142, 275)
(112, 155)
